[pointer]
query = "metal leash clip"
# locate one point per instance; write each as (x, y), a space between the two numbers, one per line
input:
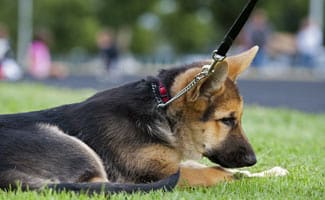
(216, 59)
(206, 71)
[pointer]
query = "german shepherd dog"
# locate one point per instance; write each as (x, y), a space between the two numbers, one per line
(118, 140)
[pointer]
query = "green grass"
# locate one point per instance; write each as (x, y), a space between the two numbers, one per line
(291, 139)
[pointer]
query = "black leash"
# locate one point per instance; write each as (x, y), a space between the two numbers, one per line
(219, 54)
(235, 29)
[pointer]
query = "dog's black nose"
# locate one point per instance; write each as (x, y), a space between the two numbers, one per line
(250, 160)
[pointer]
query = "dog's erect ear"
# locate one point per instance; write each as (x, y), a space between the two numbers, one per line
(238, 63)
(213, 83)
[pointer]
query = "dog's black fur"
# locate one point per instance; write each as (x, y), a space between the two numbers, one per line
(35, 147)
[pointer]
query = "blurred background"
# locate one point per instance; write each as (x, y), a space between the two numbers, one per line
(103, 43)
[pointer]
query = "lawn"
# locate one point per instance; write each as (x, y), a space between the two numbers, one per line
(286, 138)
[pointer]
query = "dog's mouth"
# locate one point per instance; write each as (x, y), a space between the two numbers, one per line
(232, 160)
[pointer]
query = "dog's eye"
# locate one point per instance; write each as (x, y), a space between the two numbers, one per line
(229, 121)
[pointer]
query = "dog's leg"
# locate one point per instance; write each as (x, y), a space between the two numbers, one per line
(15, 178)
(207, 176)
(196, 174)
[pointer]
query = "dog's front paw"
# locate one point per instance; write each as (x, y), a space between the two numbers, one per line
(275, 171)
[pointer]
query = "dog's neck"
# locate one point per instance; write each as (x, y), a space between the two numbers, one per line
(184, 141)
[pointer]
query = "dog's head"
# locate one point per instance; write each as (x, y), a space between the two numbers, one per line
(209, 116)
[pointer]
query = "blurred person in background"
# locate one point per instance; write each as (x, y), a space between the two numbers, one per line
(107, 48)
(40, 65)
(257, 32)
(9, 69)
(39, 57)
(309, 42)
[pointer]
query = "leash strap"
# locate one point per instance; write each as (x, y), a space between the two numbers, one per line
(218, 55)
(235, 29)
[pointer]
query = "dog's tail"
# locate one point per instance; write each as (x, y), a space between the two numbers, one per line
(166, 184)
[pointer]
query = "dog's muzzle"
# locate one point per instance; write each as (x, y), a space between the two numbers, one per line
(234, 152)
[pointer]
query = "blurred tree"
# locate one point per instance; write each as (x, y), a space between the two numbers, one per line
(286, 15)
(73, 23)
(224, 13)
(188, 32)
(8, 16)
(117, 13)
(187, 25)
(121, 14)
(144, 40)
